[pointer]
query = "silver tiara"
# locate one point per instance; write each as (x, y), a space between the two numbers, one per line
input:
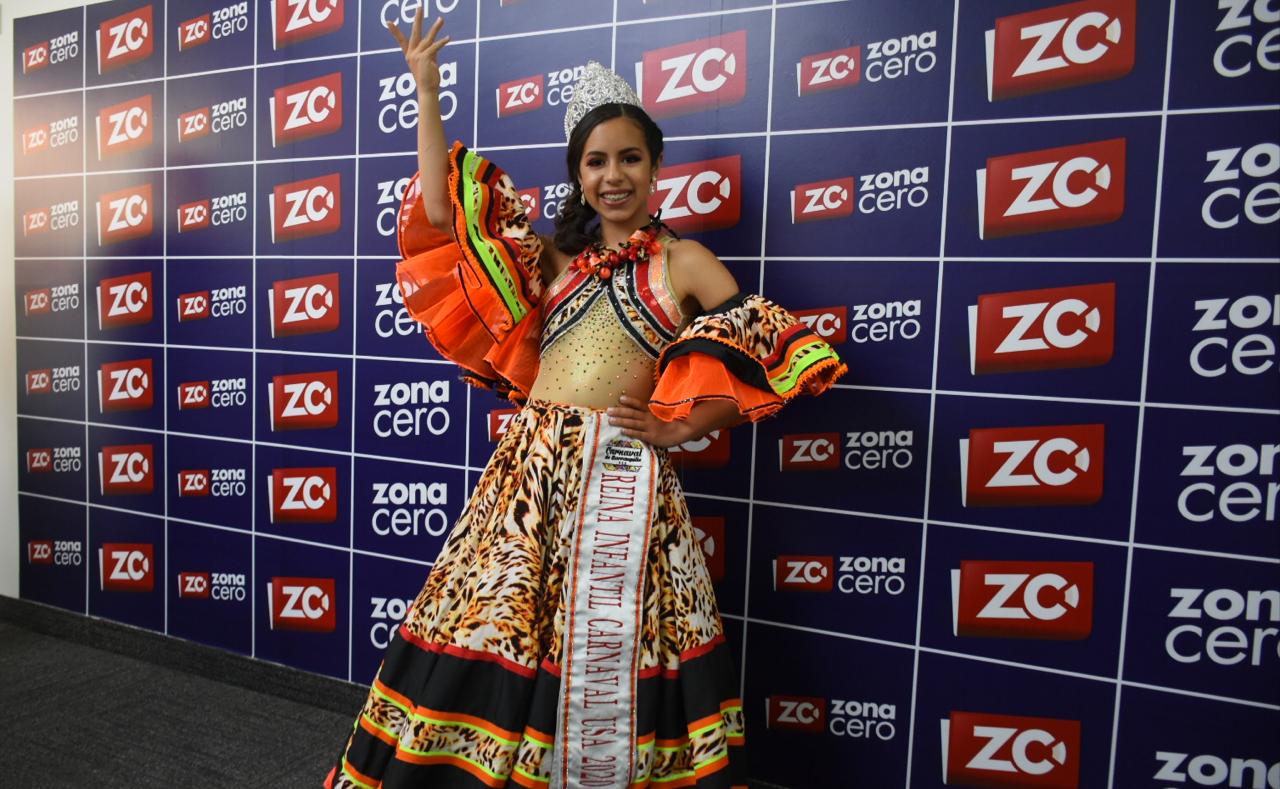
(598, 86)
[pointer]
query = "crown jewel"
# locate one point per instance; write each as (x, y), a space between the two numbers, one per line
(598, 86)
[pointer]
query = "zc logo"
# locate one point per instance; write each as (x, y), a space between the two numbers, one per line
(125, 39)
(124, 127)
(305, 604)
(125, 386)
(688, 77)
(293, 21)
(1048, 329)
(40, 552)
(520, 95)
(1060, 47)
(799, 713)
(40, 381)
(710, 451)
(1032, 466)
(985, 750)
(829, 323)
(193, 306)
(39, 461)
(809, 451)
(803, 573)
(709, 531)
(193, 482)
(124, 214)
(193, 395)
(306, 305)
(303, 495)
(306, 109)
(126, 567)
(700, 196)
(195, 585)
(125, 301)
(828, 70)
(194, 32)
(304, 401)
(1047, 600)
(302, 209)
(1054, 189)
(499, 421)
(822, 200)
(126, 470)
(35, 57)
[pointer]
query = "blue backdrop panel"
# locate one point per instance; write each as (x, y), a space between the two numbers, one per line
(1029, 541)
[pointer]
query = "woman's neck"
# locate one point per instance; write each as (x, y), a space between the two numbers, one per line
(612, 235)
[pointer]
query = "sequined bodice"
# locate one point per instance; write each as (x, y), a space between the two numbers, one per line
(601, 337)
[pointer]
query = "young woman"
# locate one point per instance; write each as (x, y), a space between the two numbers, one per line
(567, 635)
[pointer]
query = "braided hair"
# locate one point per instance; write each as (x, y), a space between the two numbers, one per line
(575, 229)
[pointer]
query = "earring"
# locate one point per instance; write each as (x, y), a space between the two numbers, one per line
(582, 197)
(653, 184)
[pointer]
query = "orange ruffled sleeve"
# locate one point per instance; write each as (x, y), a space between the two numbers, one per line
(477, 291)
(749, 351)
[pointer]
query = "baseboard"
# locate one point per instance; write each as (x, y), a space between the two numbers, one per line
(188, 656)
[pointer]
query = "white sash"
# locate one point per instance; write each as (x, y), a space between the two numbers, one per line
(595, 744)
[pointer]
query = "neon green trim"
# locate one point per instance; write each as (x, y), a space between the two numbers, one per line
(352, 778)
(387, 732)
(390, 700)
(532, 741)
(489, 257)
(452, 755)
(464, 725)
(531, 776)
(805, 357)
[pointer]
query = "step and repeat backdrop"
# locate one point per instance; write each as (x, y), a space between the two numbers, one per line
(1030, 541)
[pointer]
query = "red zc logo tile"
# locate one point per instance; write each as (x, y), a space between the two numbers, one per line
(303, 604)
(126, 567)
(193, 395)
(1054, 189)
(37, 302)
(124, 127)
(986, 750)
(710, 451)
(1048, 329)
(124, 301)
(303, 495)
(194, 32)
(193, 482)
(125, 386)
(40, 552)
(34, 222)
(304, 401)
(125, 39)
(829, 323)
(1060, 47)
(35, 57)
(195, 585)
(799, 713)
(1032, 466)
(1049, 600)
(822, 200)
(35, 139)
(709, 530)
(193, 306)
(305, 305)
(298, 20)
(809, 451)
(520, 95)
(499, 421)
(700, 196)
(40, 460)
(684, 78)
(301, 209)
(126, 469)
(838, 68)
(194, 124)
(306, 109)
(193, 216)
(40, 381)
(803, 573)
(124, 214)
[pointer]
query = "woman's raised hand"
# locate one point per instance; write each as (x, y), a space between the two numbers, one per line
(420, 51)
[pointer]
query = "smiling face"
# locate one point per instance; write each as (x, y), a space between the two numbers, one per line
(615, 171)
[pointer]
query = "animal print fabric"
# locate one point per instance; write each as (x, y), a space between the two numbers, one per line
(467, 691)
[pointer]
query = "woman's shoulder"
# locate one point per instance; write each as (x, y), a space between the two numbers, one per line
(687, 253)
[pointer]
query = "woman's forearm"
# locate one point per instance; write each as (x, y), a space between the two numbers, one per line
(710, 415)
(433, 160)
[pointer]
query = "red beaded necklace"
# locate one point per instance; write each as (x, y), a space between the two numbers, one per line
(599, 260)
